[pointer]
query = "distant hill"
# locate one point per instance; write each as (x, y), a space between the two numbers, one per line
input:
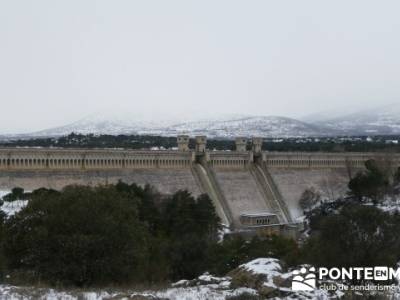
(266, 126)
(380, 121)
(383, 120)
(271, 126)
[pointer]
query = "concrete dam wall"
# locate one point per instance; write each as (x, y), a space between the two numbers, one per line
(164, 180)
(240, 183)
(329, 183)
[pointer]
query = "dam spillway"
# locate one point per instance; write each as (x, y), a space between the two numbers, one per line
(239, 182)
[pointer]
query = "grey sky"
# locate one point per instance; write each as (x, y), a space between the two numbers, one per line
(62, 60)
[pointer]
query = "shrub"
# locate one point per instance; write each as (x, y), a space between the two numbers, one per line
(2, 258)
(235, 251)
(110, 234)
(357, 236)
(371, 183)
(309, 198)
(79, 236)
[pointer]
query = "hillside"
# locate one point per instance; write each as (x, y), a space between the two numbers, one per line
(268, 126)
(383, 120)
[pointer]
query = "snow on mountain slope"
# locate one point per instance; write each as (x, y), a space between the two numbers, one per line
(224, 127)
(383, 120)
(377, 121)
(107, 123)
(270, 126)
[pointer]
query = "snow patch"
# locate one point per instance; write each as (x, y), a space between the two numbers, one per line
(11, 208)
(264, 266)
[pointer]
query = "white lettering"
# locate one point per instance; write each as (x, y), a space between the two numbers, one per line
(394, 274)
(358, 271)
(347, 274)
(381, 273)
(368, 274)
(334, 273)
(323, 272)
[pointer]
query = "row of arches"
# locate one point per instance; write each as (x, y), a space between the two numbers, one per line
(228, 162)
(315, 162)
(21, 163)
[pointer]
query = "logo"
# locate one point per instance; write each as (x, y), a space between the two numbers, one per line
(304, 280)
(331, 279)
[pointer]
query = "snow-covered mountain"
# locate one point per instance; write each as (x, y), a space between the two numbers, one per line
(108, 123)
(266, 126)
(224, 127)
(383, 120)
(378, 121)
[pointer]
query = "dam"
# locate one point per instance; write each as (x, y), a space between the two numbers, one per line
(249, 187)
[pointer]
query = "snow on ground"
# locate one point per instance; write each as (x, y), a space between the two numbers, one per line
(10, 208)
(390, 205)
(205, 287)
(8, 292)
(3, 193)
(203, 292)
(269, 267)
(264, 266)
(223, 231)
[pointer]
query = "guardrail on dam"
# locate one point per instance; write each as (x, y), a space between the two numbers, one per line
(239, 182)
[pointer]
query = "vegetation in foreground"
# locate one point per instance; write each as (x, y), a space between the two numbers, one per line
(353, 231)
(120, 234)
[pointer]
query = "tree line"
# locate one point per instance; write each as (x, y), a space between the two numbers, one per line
(119, 234)
(74, 140)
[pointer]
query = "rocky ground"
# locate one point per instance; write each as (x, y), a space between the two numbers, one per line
(263, 278)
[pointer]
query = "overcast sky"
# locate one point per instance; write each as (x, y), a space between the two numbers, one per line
(63, 60)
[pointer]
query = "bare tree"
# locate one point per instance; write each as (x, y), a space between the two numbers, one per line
(309, 198)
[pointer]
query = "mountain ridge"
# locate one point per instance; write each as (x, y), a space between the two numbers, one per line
(245, 125)
(383, 120)
(379, 121)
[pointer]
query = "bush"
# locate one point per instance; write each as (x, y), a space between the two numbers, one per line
(235, 251)
(17, 193)
(2, 258)
(110, 234)
(357, 236)
(191, 227)
(371, 183)
(309, 198)
(79, 236)
(396, 177)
